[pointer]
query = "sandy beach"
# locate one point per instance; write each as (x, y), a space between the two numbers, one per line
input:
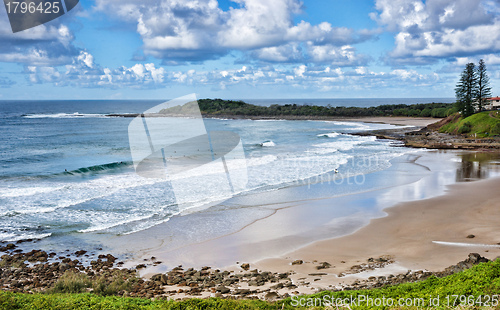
(393, 120)
(409, 233)
(429, 234)
(396, 120)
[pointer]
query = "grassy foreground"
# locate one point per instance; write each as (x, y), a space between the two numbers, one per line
(474, 288)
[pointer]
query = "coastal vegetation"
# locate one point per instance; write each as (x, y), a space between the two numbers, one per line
(481, 125)
(472, 288)
(220, 107)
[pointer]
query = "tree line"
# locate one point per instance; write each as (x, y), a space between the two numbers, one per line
(472, 89)
(221, 107)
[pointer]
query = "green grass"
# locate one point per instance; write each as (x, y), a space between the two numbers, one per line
(481, 280)
(484, 124)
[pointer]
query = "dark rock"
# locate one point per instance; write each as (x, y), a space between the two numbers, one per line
(323, 265)
(80, 253)
(110, 258)
(245, 266)
(298, 262)
(283, 275)
(242, 291)
(271, 296)
(471, 236)
(160, 277)
(222, 289)
(10, 246)
(317, 274)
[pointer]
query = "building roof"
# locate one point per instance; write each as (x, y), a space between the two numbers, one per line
(493, 99)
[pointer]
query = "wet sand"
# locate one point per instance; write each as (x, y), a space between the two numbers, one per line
(429, 234)
(396, 120)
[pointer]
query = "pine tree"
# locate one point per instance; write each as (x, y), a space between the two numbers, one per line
(483, 85)
(466, 90)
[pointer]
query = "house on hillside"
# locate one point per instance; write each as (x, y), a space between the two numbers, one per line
(492, 103)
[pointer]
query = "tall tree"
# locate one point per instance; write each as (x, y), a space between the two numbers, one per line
(483, 85)
(466, 90)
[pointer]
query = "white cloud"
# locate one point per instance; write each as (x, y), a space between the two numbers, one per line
(196, 30)
(338, 56)
(433, 29)
(84, 72)
(285, 53)
(44, 45)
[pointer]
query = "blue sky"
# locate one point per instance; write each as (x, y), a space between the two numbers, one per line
(160, 49)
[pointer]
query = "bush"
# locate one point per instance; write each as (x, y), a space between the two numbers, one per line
(414, 112)
(71, 282)
(465, 128)
(112, 284)
(451, 111)
(439, 112)
(426, 112)
(495, 130)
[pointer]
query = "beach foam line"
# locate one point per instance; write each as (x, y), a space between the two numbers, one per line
(105, 226)
(353, 125)
(345, 145)
(66, 115)
(40, 210)
(330, 135)
(27, 191)
(463, 244)
(11, 237)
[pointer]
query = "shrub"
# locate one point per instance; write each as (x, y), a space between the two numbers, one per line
(71, 282)
(426, 112)
(451, 111)
(439, 112)
(112, 284)
(465, 128)
(495, 130)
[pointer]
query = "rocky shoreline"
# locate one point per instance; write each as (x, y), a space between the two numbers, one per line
(39, 271)
(424, 137)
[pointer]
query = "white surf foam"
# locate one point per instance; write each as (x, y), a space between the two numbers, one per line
(330, 135)
(268, 143)
(26, 191)
(66, 115)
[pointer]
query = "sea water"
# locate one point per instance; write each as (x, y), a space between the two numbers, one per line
(66, 167)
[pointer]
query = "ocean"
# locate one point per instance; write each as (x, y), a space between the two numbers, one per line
(67, 171)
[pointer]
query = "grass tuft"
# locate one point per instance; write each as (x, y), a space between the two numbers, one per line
(71, 282)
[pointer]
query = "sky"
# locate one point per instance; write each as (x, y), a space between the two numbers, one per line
(251, 49)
